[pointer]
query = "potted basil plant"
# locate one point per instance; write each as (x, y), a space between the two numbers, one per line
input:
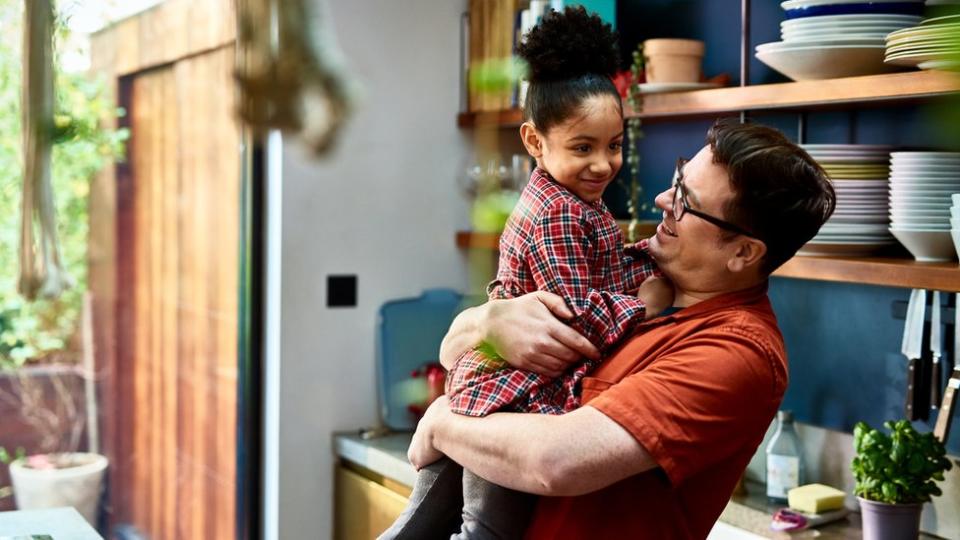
(895, 474)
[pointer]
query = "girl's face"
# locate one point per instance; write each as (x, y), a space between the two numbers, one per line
(584, 153)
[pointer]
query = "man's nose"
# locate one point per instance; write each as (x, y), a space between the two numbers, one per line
(664, 200)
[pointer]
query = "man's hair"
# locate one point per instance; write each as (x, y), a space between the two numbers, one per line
(780, 193)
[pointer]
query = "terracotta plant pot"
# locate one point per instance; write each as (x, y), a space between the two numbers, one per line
(673, 60)
(78, 486)
(882, 521)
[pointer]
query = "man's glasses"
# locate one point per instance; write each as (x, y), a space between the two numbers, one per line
(681, 207)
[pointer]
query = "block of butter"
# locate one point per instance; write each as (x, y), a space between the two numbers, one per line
(815, 498)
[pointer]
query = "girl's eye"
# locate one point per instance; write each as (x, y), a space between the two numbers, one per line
(583, 148)
(616, 146)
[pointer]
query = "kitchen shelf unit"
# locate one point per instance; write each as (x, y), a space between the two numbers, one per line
(895, 88)
(882, 271)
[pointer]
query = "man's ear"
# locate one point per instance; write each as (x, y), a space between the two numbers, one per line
(531, 139)
(749, 253)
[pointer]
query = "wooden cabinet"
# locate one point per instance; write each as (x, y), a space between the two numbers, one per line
(365, 504)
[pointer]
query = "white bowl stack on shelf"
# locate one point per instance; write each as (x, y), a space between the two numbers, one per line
(934, 44)
(955, 220)
(831, 46)
(859, 225)
(921, 184)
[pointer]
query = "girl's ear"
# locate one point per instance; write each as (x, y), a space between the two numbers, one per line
(531, 139)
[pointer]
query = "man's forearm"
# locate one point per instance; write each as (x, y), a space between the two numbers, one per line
(571, 454)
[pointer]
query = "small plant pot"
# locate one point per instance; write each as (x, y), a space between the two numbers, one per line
(673, 60)
(882, 521)
(77, 486)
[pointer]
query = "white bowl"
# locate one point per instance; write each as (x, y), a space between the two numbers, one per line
(955, 233)
(956, 199)
(815, 63)
(955, 223)
(927, 245)
(955, 214)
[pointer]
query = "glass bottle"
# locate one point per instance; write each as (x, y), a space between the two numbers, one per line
(785, 468)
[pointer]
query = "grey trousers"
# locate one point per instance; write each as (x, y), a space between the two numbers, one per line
(449, 502)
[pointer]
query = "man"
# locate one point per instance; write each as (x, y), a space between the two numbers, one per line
(670, 420)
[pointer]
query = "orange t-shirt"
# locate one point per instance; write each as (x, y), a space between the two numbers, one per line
(698, 390)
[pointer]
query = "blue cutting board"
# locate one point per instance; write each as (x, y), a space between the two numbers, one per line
(409, 332)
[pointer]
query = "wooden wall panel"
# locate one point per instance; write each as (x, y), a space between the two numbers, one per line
(184, 252)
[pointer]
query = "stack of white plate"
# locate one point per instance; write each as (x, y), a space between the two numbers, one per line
(859, 225)
(934, 44)
(920, 187)
(955, 221)
(831, 46)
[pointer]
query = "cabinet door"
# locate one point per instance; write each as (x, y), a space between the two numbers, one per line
(363, 508)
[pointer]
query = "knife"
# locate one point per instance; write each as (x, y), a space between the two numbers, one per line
(944, 418)
(911, 347)
(936, 349)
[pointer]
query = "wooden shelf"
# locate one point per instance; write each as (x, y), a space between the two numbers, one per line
(830, 93)
(885, 271)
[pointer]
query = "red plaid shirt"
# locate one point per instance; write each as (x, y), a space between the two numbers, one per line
(556, 242)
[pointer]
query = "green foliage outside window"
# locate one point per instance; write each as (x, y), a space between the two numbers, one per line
(32, 330)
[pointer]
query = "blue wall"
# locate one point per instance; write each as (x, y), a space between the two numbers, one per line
(842, 339)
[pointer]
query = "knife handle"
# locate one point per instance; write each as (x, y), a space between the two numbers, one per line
(936, 383)
(911, 385)
(942, 429)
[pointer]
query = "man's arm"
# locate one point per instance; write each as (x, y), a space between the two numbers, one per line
(570, 454)
(526, 332)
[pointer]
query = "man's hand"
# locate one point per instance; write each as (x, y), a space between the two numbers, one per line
(421, 452)
(528, 333)
(656, 294)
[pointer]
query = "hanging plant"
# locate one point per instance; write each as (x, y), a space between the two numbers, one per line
(636, 204)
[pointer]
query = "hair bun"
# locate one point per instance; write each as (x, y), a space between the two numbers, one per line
(570, 44)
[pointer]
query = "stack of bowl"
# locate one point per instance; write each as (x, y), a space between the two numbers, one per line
(955, 221)
(921, 184)
(859, 225)
(934, 44)
(825, 39)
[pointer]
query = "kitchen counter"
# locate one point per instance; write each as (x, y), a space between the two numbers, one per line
(387, 456)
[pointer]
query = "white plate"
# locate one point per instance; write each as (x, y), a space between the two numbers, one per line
(656, 88)
(913, 60)
(860, 183)
(936, 191)
(829, 159)
(843, 249)
(854, 18)
(949, 65)
(794, 4)
(925, 155)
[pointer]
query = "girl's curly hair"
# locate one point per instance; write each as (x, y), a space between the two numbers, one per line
(570, 44)
(572, 56)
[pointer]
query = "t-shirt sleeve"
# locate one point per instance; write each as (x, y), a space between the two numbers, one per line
(695, 407)
(559, 263)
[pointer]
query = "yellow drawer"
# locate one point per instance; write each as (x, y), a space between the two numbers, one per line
(364, 508)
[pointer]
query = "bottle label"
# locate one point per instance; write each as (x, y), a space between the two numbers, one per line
(783, 474)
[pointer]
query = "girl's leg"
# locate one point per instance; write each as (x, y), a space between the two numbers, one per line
(435, 504)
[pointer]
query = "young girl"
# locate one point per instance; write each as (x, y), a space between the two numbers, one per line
(560, 238)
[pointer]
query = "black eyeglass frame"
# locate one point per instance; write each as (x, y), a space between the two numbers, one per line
(680, 194)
